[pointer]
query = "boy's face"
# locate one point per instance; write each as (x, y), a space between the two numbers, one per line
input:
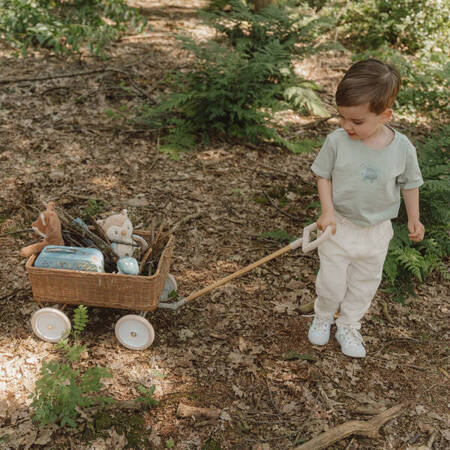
(360, 123)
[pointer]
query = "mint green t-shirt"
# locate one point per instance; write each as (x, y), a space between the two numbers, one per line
(366, 182)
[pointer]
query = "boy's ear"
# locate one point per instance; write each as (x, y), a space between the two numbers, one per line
(386, 115)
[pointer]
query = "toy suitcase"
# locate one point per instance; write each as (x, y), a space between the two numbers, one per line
(70, 258)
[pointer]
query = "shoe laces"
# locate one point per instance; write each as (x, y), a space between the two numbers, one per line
(321, 324)
(351, 335)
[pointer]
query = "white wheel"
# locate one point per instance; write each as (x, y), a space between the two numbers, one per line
(169, 286)
(50, 324)
(134, 332)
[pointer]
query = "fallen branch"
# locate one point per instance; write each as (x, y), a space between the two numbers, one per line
(63, 75)
(364, 428)
(192, 411)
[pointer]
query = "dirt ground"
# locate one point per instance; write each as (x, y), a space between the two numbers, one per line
(242, 348)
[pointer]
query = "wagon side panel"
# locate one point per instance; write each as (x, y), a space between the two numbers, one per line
(100, 289)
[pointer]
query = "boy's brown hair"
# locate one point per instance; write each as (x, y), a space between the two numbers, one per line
(369, 81)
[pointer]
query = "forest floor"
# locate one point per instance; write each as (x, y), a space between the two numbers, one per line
(242, 348)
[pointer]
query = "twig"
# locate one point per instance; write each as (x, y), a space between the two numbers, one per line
(350, 443)
(184, 220)
(310, 125)
(100, 231)
(64, 75)
(271, 398)
(279, 209)
(144, 259)
(55, 88)
(368, 429)
(135, 36)
(11, 294)
(85, 197)
(385, 311)
(193, 411)
(70, 223)
(7, 233)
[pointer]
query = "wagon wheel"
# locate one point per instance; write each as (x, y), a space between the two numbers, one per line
(50, 324)
(134, 332)
(169, 286)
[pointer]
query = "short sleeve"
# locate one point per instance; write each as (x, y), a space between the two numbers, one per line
(411, 177)
(324, 163)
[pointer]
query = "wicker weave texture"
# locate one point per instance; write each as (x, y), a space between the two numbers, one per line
(104, 290)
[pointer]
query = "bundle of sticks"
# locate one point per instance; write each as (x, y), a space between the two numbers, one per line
(77, 234)
(157, 243)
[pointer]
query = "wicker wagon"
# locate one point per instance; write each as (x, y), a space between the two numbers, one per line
(127, 292)
(105, 290)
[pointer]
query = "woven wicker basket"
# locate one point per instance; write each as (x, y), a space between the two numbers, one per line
(104, 290)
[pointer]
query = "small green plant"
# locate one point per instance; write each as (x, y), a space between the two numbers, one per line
(66, 26)
(409, 262)
(279, 235)
(307, 145)
(146, 397)
(93, 208)
(170, 443)
(64, 386)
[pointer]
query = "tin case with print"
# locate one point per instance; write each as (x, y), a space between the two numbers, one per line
(70, 258)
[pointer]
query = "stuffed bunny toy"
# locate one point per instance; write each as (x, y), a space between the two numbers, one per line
(119, 230)
(48, 226)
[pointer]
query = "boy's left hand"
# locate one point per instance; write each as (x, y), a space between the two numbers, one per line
(416, 231)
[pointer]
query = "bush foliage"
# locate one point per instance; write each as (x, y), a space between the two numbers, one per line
(407, 261)
(65, 26)
(412, 34)
(239, 80)
(408, 25)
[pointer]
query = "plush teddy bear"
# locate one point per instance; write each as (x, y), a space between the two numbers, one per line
(48, 226)
(119, 230)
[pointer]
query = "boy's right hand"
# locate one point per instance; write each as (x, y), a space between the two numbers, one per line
(326, 220)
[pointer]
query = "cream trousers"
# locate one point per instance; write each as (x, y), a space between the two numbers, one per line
(351, 266)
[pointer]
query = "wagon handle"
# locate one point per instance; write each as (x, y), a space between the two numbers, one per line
(304, 242)
(308, 245)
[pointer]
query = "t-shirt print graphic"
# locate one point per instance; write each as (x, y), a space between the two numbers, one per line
(369, 173)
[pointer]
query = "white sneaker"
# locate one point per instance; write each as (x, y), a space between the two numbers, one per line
(351, 342)
(319, 331)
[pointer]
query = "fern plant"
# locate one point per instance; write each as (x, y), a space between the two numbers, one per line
(237, 82)
(65, 387)
(407, 262)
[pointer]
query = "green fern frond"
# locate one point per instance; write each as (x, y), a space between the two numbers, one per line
(411, 260)
(80, 318)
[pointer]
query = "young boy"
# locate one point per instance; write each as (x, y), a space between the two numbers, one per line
(361, 169)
